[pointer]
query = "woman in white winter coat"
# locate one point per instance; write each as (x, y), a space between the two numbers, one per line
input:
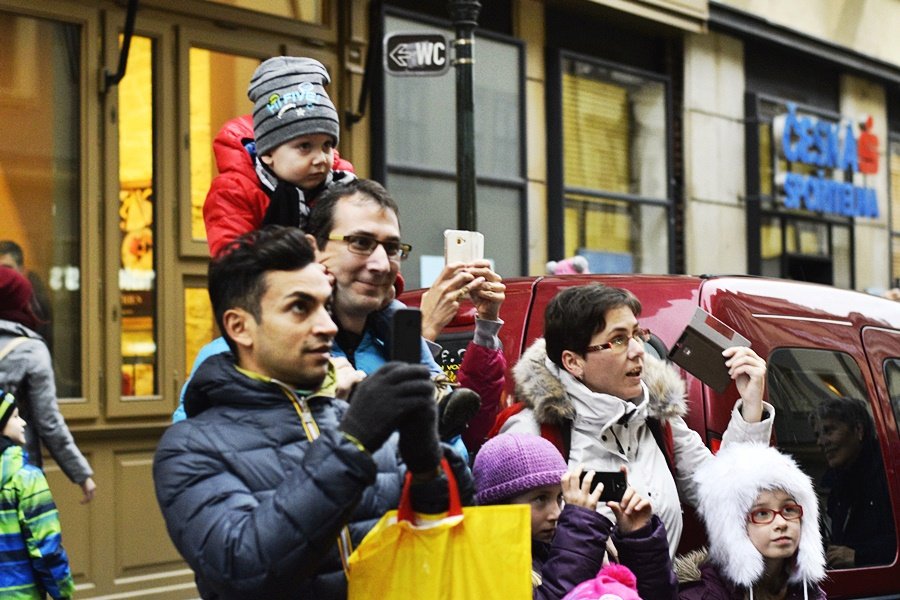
(590, 379)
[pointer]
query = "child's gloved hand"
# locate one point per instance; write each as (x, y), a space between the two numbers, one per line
(382, 402)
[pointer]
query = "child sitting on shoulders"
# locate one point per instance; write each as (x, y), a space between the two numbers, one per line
(762, 519)
(273, 173)
(569, 536)
(33, 561)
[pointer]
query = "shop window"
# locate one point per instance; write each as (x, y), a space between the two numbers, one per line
(199, 322)
(420, 155)
(795, 242)
(612, 233)
(137, 269)
(218, 92)
(894, 174)
(825, 422)
(308, 11)
(614, 157)
(40, 176)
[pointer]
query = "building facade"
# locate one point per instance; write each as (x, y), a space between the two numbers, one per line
(652, 136)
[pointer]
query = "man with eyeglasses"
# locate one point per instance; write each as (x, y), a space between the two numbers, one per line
(590, 387)
(356, 228)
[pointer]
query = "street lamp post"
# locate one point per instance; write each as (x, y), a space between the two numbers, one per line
(465, 17)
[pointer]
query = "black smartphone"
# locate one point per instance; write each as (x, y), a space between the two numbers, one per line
(406, 335)
(614, 484)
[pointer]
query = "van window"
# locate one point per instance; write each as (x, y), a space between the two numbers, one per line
(892, 376)
(824, 420)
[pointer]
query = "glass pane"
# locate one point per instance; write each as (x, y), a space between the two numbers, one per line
(807, 238)
(428, 207)
(500, 216)
(218, 92)
(841, 253)
(614, 131)
(895, 262)
(40, 176)
(199, 323)
(137, 273)
(892, 376)
(497, 109)
(894, 174)
(415, 138)
(617, 236)
(309, 11)
(825, 422)
(765, 161)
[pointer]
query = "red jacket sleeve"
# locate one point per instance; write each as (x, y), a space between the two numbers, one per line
(484, 371)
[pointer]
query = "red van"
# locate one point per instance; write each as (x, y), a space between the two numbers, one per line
(821, 344)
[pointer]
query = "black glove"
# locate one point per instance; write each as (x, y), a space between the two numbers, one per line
(455, 409)
(420, 447)
(432, 497)
(382, 401)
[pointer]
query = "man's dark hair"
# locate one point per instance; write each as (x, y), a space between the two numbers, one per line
(237, 275)
(577, 313)
(14, 250)
(321, 219)
(851, 411)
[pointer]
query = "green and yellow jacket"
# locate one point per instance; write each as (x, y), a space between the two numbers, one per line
(33, 562)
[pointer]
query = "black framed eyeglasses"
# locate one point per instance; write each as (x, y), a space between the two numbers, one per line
(365, 245)
(764, 516)
(619, 343)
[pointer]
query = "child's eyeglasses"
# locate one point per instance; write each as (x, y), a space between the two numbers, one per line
(764, 516)
(619, 343)
(366, 244)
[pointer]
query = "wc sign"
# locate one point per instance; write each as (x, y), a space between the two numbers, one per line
(415, 54)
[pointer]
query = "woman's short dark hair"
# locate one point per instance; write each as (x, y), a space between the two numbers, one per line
(237, 274)
(577, 313)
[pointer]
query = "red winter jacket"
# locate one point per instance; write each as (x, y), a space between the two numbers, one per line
(235, 203)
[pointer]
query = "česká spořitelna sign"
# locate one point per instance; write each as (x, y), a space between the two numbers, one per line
(842, 159)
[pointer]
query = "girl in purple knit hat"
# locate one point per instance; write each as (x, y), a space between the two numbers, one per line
(569, 536)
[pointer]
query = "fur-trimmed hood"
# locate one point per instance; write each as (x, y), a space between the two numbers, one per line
(539, 386)
(727, 487)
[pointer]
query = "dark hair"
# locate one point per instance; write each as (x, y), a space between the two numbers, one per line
(14, 250)
(577, 313)
(237, 274)
(851, 411)
(321, 219)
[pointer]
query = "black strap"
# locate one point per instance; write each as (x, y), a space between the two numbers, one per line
(656, 428)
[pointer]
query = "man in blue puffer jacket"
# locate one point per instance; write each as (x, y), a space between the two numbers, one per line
(272, 481)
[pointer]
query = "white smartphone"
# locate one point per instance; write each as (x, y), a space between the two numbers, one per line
(463, 246)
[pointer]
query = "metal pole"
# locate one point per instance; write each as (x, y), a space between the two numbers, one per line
(465, 17)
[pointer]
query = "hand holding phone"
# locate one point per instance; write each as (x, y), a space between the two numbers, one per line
(699, 349)
(463, 246)
(614, 484)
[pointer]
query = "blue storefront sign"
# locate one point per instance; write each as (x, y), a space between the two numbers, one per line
(832, 148)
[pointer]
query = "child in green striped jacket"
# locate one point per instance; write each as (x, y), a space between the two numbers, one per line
(33, 562)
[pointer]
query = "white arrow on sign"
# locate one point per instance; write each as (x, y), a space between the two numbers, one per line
(399, 55)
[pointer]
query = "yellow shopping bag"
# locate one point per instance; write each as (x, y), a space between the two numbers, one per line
(479, 552)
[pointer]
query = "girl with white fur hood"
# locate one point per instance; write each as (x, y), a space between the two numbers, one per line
(762, 520)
